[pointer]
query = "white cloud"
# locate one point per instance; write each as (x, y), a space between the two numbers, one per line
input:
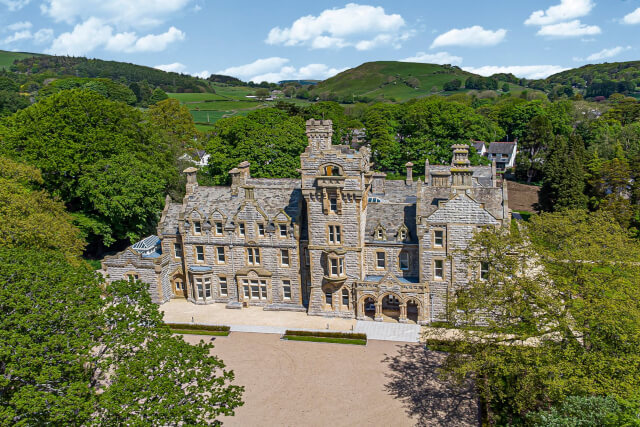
(17, 36)
(361, 26)
(40, 36)
(22, 25)
(14, 5)
(121, 13)
(566, 10)
(471, 36)
(43, 35)
(259, 66)
(94, 33)
(569, 29)
(175, 67)
(275, 69)
(604, 54)
(435, 58)
(633, 17)
(526, 71)
(202, 74)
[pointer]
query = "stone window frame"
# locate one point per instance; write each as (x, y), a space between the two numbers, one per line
(261, 231)
(195, 254)
(202, 279)
(286, 283)
(403, 229)
(222, 279)
(342, 296)
(337, 231)
(339, 264)
(178, 278)
(379, 233)
(197, 225)
(242, 229)
(255, 251)
(328, 302)
(333, 208)
(262, 289)
(400, 254)
(279, 229)
(131, 275)
(217, 255)
(208, 287)
(175, 252)
(444, 237)
(323, 170)
(215, 228)
(433, 266)
(376, 260)
(281, 257)
(483, 273)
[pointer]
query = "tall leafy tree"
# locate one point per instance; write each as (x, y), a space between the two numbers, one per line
(564, 178)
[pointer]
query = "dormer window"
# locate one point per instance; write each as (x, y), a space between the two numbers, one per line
(218, 228)
(260, 229)
(379, 233)
(283, 230)
(241, 229)
(403, 233)
(197, 227)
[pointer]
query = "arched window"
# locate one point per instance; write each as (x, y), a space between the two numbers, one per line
(331, 170)
(345, 297)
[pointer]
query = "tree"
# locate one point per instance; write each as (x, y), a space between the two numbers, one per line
(566, 286)
(157, 96)
(533, 146)
(563, 175)
(452, 85)
(71, 356)
(413, 82)
(29, 217)
(505, 87)
(102, 158)
(262, 93)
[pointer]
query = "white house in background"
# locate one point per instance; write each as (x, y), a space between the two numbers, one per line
(199, 158)
(504, 154)
(481, 148)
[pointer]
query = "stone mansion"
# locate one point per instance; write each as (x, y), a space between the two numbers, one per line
(341, 240)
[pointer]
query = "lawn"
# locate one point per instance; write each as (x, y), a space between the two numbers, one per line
(325, 339)
(223, 105)
(7, 58)
(196, 97)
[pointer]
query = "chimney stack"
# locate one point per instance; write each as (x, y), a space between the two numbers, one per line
(192, 179)
(409, 179)
(493, 172)
(426, 172)
(239, 176)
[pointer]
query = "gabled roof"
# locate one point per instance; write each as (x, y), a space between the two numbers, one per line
(501, 147)
(147, 243)
(461, 209)
(392, 217)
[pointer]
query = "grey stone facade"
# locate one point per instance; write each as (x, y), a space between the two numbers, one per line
(340, 241)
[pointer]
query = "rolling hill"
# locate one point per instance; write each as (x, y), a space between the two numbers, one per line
(7, 58)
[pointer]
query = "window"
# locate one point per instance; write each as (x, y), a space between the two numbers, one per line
(220, 256)
(438, 238)
(438, 269)
(197, 227)
(380, 233)
(219, 231)
(253, 256)
(255, 289)
(286, 289)
(241, 230)
(260, 229)
(333, 204)
(224, 290)
(284, 257)
(337, 267)
(331, 171)
(373, 199)
(402, 235)
(179, 285)
(207, 287)
(199, 287)
(403, 260)
(335, 237)
(484, 270)
(283, 230)
(132, 276)
(345, 297)
(199, 253)
(381, 260)
(177, 250)
(328, 298)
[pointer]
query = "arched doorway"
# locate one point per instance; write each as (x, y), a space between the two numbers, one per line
(391, 307)
(179, 286)
(369, 308)
(413, 311)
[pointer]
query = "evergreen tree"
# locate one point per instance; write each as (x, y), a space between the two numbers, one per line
(564, 180)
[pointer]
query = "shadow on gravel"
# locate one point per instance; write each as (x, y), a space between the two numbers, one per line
(412, 376)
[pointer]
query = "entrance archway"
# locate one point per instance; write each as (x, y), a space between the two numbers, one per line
(369, 308)
(413, 310)
(391, 306)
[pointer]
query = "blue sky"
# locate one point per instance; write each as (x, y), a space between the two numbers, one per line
(294, 39)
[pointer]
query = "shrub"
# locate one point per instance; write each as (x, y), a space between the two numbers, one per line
(347, 335)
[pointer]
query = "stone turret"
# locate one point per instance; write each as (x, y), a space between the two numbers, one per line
(319, 133)
(461, 172)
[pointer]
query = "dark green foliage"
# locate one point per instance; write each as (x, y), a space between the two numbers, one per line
(454, 84)
(564, 178)
(481, 83)
(157, 96)
(10, 102)
(350, 341)
(228, 80)
(351, 335)
(576, 411)
(105, 87)
(102, 158)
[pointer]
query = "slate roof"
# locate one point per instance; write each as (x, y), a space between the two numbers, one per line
(146, 244)
(396, 191)
(401, 279)
(170, 224)
(501, 147)
(479, 145)
(391, 216)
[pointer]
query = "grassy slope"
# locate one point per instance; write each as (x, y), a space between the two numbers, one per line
(611, 70)
(7, 58)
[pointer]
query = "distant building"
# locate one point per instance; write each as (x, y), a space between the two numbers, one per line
(503, 153)
(340, 241)
(199, 158)
(481, 147)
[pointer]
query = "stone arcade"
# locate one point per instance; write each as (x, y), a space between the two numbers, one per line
(340, 241)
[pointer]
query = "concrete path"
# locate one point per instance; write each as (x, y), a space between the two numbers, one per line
(389, 331)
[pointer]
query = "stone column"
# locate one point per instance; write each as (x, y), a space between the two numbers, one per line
(378, 316)
(403, 313)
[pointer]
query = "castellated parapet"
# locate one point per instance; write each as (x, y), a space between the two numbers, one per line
(340, 241)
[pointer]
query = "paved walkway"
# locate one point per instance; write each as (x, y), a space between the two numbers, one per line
(254, 319)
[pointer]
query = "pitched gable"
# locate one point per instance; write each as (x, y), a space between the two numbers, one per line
(461, 209)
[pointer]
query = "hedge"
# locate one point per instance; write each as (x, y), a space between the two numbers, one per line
(326, 339)
(347, 335)
(194, 327)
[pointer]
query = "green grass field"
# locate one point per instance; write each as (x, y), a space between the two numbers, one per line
(325, 339)
(7, 58)
(196, 97)
(223, 105)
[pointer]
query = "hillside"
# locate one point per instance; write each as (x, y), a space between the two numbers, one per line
(7, 58)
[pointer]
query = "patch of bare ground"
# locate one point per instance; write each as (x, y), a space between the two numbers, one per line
(523, 197)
